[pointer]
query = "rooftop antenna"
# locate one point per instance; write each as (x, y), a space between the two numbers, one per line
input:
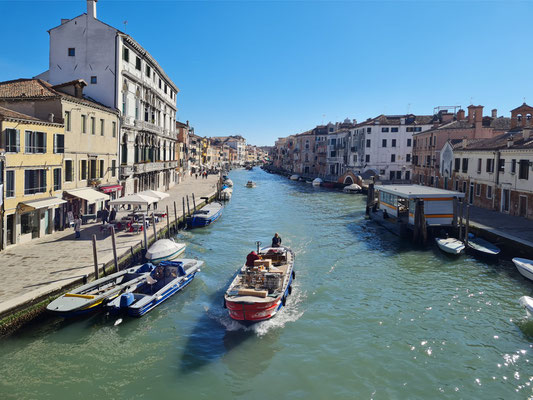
(408, 107)
(125, 25)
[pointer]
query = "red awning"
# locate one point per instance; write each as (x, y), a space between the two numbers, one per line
(110, 188)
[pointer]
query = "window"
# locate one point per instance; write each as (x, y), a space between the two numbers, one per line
(92, 169)
(34, 181)
(333, 154)
(394, 129)
(94, 80)
(35, 142)
(166, 88)
(479, 162)
(114, 128)
(113, 168)
(93, 126)
(83, 124)
(489, 192)
(457, 165)
(367, 158)
(125, 54)
(12, 140)
(148, 70)
(367, 142)
(137, 63)
(456, 186)
(384, 143)
(102, 127)
(393, 143)
(393, 158)
(67, 121)
(407, 175)
(124, 98)
(10, 183)
(490, 165)
(57, 178)
(368, 130)
(465, 165)
(478, 189)
(159, 83)
(513, 166)
(83, 170)
(431, 180)
(418, 129)
(501, 166)
(69, 171)
(391, 175)
(384, 129)
(408, 157)
(464, 186)
(523, 171)
(428, 161)
(102, 168)
(71, 52)
(59, 143)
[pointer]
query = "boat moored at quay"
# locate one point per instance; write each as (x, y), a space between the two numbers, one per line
(205, 216)
(259, 291)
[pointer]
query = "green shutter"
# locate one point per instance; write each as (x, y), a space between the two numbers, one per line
(44, 142)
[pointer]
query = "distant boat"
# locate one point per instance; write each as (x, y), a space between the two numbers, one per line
(294, 177)
(250, 184)
(524, 266)
(258, 292)
(225, 194)
(527, 303)
(165, 281)
(164, 250)
(317, 182)
(482, 248)
(450, 245)
(91, 296)
(353, 188)
(205, 216)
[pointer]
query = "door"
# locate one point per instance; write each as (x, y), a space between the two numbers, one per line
(523, 206)
(471, 193)
(506, 200)
(10, 234)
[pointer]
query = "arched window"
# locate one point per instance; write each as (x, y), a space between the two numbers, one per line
(519, 117)
(528, 117)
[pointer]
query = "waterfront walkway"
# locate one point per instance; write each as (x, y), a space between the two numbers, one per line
(43, 266)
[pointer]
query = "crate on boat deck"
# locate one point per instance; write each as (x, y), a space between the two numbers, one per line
(253, 292)
(263, 263)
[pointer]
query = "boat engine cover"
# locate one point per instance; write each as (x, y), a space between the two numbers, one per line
(126, 300)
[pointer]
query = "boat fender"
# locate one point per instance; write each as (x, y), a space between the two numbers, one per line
(290, 289)
(126, 300)
(293, 275)
(283, 301)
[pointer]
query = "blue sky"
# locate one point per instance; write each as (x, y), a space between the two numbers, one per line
(265, 69)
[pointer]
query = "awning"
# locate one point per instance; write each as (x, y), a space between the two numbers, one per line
(110, 188)
(155, 194)
(135, 199)
(26, 206)
(91, 195)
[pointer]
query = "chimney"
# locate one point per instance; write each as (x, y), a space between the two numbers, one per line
(465, 142)
(510, 141)
(402, 121)
(460, 115)
(494, 113)
(51, 117)
(91, 9)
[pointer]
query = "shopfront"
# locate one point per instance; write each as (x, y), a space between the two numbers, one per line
(32, 220)
(84, 202)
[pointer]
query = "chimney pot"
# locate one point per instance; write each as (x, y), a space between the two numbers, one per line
(91, 9)
(510, 141)
(461, 115)
(494, 113)
(51, 117)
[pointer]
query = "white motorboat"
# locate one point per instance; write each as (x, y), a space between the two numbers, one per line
(228, 182)
(225, 194)
(482, 248)
(317, 182)
(524, 266)
(294, 177)
(450, 245)
(251, 184)
(527, 303)
(164, 250)
(353, 188)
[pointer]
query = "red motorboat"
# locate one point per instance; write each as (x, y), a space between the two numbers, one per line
(258, 292)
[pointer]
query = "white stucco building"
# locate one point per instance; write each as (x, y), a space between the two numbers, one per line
(121, 74)
(383, 145)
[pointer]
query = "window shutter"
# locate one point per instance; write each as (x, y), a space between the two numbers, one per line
(81, 169)
(97, 175)
(44, 142)
(3, 136)
(17, 137)
(55, 143)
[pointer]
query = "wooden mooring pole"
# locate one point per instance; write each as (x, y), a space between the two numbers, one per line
(95, 258)
(467, 224)
(168, 224)
(188, 208)
(114, 243)
(144, 231)
(193, 202)
(183, 210)
(461, 220)
(155, 229)
(175, 218)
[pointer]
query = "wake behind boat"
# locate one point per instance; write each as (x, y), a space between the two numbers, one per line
(165, 281)
(260, 290)
(205, 216)
(92, 296)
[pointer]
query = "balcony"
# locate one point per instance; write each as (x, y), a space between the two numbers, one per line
(127, 121)
(142, 168)
(147, 126)
(126, 170)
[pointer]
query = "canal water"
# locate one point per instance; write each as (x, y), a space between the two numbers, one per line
(370, 316)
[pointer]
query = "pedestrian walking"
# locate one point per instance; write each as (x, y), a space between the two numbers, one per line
(196, 175)
(105, 215)
(77, 226)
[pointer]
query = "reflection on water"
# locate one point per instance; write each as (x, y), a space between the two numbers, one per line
(370, 316)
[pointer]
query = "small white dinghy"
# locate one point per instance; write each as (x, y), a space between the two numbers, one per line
(317, 182)
(450, 245)
(353, 188)
(164, 250)
(294, 177)
(524, 266)
(527, 303)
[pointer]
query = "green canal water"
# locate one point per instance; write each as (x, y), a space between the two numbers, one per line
(370, 316)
